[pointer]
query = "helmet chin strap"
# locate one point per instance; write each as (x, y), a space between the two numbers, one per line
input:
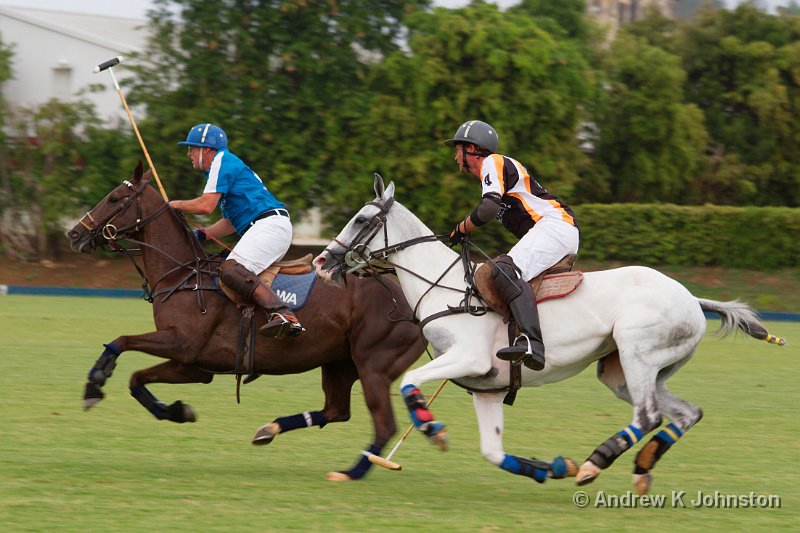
(465, 153)
(200, 161)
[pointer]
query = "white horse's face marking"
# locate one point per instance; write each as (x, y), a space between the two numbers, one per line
(349, 251)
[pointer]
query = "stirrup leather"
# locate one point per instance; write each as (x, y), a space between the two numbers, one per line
(280, 326)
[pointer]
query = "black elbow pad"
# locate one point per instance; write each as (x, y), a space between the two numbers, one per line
(486, 210)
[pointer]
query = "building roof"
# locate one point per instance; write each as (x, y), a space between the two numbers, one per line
(118, 33)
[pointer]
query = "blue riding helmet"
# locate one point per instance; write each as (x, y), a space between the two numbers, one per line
(207, 135)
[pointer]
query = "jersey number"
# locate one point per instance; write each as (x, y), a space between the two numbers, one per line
(487, 180)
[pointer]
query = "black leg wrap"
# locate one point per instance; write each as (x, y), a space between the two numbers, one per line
(104, 367)
(150, 402)
(605, 454)
(649, 455)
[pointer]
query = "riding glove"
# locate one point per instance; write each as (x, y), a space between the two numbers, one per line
(200, 234)
(457, 236)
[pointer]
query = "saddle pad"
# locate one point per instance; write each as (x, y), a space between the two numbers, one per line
(558, 285)
(294, 289)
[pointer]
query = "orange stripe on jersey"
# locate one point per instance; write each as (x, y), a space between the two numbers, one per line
(533, 214)
(499, 163)
(564, 215)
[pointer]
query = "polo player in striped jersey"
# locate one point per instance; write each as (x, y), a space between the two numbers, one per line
(546, 229)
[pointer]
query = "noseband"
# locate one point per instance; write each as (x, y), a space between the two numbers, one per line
(357, 254)
(107, 230)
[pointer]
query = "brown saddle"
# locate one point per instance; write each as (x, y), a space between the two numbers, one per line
(555, 282)
(290, 267)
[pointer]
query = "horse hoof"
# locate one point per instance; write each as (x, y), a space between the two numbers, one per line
(88, 403)
(642, 483)
(440, 440)
(266, 434)
(337, 476)
(189, 414)
(587, 473)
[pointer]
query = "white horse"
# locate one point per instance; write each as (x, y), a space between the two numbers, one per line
(639, 324)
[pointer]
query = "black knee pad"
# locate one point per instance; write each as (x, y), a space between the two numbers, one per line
(506, 277)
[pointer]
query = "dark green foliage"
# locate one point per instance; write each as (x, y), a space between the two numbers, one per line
(471, 63)
(751, 237)
(272, 74)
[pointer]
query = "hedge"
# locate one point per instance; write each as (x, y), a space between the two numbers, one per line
(755, 238)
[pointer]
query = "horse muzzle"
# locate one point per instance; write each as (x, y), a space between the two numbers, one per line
(326, 268)
(81, 242)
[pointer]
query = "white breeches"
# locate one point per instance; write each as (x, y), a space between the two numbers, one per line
(545, 244)
(264, 243)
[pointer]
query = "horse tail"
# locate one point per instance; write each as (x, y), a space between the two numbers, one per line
(738, 315)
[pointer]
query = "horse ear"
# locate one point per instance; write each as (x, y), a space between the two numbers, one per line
(389, 190)
(137, 172)
(147, 175)
(379, 188)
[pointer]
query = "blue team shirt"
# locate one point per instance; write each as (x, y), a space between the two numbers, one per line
(244, 195)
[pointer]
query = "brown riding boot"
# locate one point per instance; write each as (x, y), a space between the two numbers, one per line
(247, 289)
(281, 321)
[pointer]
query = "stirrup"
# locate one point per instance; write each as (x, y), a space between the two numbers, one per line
(522, 352)
(280, 326)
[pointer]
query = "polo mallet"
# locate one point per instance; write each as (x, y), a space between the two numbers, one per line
(386, 462)
(107, 66)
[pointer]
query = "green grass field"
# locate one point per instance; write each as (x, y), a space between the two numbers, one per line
(116, 468)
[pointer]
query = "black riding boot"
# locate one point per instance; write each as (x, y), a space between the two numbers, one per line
(517, 293)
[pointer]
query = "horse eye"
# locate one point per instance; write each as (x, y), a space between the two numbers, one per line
(360, 219)
(113, 199)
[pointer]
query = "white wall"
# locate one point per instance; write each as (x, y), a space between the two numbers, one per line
(54, 54)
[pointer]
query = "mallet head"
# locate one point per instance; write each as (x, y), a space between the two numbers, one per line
(107, 64)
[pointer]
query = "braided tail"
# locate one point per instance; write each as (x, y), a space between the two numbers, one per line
(739, 315)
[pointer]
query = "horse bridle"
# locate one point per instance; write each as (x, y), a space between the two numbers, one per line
(107, 230)
(357, 256)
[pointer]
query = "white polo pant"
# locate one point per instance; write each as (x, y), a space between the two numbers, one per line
(264, 243)
(545, 244)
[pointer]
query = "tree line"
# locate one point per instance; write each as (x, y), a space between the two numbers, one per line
(317, 96)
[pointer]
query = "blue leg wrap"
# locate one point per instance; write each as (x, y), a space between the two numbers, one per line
(532, 468)
(363, 465)
(558, 468)
(301, 420)
(632, 434)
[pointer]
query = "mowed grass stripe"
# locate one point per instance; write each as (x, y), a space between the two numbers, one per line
(116, 468)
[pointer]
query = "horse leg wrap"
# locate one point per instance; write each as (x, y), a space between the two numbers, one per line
(150, 402)
(363, 465)
(648, 456)
(532, 468)
(104, 367)
(605, 454)
(417, 406)
(421, 417)
(301, 420)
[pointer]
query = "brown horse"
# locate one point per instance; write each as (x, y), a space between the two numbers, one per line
(352, 332)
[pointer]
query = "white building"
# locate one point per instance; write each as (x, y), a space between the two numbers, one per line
(54, 53)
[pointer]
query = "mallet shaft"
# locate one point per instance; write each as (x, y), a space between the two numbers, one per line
(107, 65)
